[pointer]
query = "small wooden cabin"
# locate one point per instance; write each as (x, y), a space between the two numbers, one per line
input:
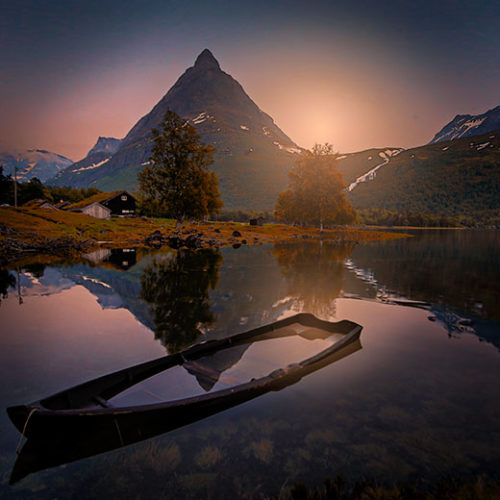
(121, 204)
(106, 205)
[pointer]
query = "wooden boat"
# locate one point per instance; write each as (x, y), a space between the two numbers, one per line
(83, 414)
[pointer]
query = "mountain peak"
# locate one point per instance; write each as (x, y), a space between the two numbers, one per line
(105, 145)
(469, 125)
(206, 60)
(246, 139)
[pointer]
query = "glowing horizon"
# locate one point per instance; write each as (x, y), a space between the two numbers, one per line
(376, 76)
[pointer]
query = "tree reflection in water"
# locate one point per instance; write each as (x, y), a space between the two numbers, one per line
(177, 289)
(314, 273)
(7, 280)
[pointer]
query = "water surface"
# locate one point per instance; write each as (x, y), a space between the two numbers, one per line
(418, 402)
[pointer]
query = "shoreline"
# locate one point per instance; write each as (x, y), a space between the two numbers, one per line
(49, 232)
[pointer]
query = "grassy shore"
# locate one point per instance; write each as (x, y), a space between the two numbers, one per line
(56, 231)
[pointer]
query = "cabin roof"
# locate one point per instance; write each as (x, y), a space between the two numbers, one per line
(62, 204)
(98, 198)
(33, 203)
(37, 203)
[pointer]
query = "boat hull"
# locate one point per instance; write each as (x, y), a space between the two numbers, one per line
(58, 433)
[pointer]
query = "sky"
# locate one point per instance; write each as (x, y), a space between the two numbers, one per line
(355, 74)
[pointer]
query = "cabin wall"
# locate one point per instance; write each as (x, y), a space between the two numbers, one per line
(121, 205)
(97, 210)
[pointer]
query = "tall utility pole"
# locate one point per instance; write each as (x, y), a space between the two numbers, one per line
(15, 187)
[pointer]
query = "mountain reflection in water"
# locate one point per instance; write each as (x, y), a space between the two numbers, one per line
(454, 274)
(456, 268)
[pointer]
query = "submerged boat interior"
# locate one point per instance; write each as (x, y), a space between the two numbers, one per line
(158, 396)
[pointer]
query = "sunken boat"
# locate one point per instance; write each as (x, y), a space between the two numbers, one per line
(81, 421)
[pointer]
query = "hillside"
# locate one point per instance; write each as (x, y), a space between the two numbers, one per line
(456, 177)
(358, 166)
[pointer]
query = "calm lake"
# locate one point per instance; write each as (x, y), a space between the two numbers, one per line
(418, 401)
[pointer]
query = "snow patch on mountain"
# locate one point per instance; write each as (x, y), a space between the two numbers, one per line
(91, 167)
(467, 126)
(289, 149)
(30, 168)
(371, 174)
(202, 117)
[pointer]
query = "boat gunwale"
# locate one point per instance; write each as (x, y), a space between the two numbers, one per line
(290, 371)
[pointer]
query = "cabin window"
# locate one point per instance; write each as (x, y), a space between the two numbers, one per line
(124, 197)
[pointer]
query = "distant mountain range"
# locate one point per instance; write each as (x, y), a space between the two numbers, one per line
(253, 156)
(457, 173)
(33, 163)
(469, 125)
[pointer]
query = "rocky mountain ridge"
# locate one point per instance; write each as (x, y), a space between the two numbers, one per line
(469, 125)
(105, 145)
(98, 156)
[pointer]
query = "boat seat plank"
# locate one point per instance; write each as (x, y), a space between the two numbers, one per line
(102, 402)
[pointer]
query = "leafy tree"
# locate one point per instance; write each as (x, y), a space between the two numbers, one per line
(316, 191)
(66, 193)
(178, 183)
(7, 280)
(31, 190)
